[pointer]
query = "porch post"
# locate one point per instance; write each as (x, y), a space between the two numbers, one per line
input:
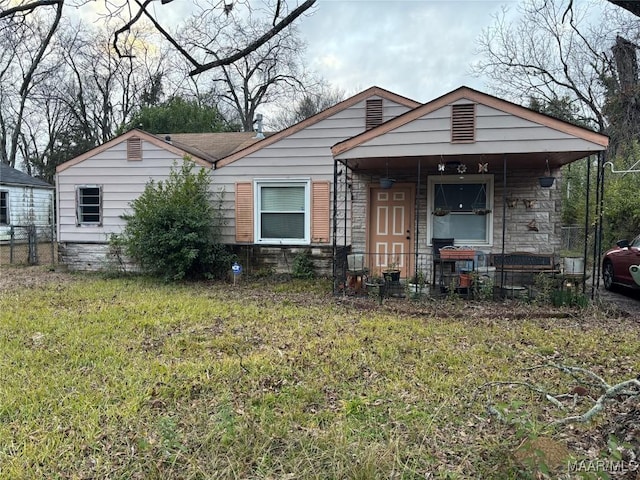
(597, 244)
(335, 224)
(586, 225)
(504, 219)
(417, 225)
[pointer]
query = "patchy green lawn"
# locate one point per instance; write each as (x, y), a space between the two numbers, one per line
(128, 378)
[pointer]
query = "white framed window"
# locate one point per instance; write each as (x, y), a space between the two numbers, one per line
(282, 211)
(89, 205)
(461, 207)
(4, 207)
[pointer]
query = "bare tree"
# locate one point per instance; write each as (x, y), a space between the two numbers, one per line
(309, 105)
(128, 14)
(551, 53)
(24, 43)
(268, 75)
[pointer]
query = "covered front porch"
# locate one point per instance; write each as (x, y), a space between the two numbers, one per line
(485, 185)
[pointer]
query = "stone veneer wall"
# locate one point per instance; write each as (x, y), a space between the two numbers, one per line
(521, 185)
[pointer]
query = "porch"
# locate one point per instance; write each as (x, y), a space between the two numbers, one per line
(468, 167)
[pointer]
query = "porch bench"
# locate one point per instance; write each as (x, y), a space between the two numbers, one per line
(524, 262)
(523, 266)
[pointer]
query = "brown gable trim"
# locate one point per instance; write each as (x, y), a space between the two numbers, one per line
(479, 97)
(338, 107)
(148, 137)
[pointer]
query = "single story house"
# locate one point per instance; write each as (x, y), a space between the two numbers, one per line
(26, 204)
(377, 173)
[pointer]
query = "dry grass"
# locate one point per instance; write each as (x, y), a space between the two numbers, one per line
(128, 378)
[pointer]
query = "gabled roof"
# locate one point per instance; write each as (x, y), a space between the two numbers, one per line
(11, 176)
(199, 157)
(370, 92)
(467, 93)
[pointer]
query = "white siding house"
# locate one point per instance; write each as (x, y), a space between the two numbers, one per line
(317, 184)
(24, 201)
(96, 188)
(292, 170)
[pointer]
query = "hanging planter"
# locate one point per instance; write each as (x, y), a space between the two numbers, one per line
(387, 183)
(441, 212)
(547, 180)
(481, 210)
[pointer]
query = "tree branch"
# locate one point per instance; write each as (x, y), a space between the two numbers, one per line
(286, 21)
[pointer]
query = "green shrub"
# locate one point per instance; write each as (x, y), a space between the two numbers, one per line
(173, 229)
(303, 265)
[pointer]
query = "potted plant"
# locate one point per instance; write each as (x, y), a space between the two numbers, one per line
(391, 274)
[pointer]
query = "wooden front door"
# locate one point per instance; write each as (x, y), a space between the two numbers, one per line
(391, 227)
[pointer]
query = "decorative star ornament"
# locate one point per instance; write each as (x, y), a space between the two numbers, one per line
(462, 168)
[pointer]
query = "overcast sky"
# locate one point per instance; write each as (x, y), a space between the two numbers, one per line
(417, 48)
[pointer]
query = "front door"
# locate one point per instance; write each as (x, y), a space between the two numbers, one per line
(390, 228)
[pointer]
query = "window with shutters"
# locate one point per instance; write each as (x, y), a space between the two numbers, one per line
(282, 211)
(4, 208)
(89, 205)
(373, 113)
(134, 149)
(463, 123)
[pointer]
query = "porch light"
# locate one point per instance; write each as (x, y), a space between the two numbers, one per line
(547, 180)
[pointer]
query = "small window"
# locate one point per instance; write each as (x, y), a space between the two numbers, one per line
(89, 205)
(4, 208)
(282, 212)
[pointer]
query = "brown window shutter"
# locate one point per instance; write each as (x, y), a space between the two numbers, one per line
(134, 148)
(373, 115)
(244, 212)
(320, 212)
(463, 123)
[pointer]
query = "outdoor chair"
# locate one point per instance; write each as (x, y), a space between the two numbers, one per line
(437, 244)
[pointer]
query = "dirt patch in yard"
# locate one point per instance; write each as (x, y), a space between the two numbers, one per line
(18, 278)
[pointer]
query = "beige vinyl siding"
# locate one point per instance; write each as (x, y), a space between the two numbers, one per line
(122, 182)
(431, 134)
(304, 154)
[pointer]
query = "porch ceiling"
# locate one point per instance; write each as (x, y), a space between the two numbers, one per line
(515, 161)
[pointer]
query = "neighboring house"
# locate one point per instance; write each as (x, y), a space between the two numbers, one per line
(25, 202)
(317, 184)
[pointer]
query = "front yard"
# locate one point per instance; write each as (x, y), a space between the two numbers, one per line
(130, 378)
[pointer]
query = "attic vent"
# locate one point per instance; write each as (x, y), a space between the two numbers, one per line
(134, 148)
(463, 123)
(373, 113)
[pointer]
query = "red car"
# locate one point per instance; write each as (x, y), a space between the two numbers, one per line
(616, 263)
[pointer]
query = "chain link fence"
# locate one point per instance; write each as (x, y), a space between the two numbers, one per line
(28, 245)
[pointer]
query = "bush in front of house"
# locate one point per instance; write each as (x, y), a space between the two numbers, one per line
(173, 228)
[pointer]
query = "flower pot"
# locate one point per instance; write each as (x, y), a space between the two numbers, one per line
(573, 265)
(546, 182)
(392, 276)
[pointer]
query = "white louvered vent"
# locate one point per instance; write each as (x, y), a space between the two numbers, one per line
(463, 123)
(373, 113)
(134, 148)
